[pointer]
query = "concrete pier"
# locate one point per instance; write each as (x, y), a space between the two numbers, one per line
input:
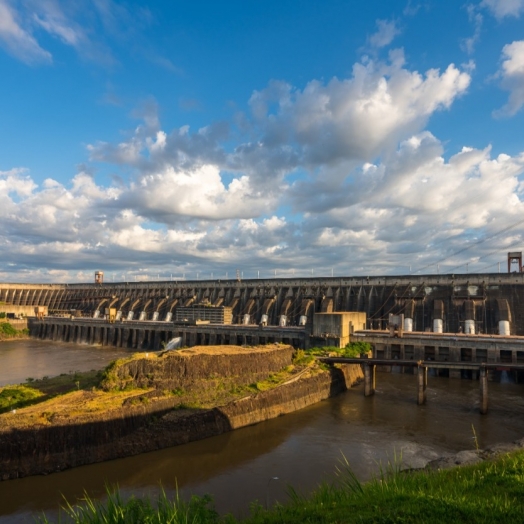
(369, 379)
(422, 382)
(483, 380)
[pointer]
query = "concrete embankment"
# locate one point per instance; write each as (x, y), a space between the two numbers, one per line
(66, 440)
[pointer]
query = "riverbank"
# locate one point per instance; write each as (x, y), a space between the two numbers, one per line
(151, 402)
(488, 492)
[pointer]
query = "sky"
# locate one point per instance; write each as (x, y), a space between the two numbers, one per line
(193, 139)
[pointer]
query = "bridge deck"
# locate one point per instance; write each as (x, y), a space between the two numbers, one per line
(421, 363)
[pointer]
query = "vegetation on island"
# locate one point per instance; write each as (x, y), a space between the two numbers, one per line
(7, 331)
(488, 492)
(51, 400)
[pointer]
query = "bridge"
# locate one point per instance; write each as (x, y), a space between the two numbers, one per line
(421, 367)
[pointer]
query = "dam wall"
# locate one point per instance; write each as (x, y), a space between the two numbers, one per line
(153, 336)
(482, 303)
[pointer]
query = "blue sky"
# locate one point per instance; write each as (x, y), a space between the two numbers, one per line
(196, 138)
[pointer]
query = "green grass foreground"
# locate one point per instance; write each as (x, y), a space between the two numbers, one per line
(489, 492)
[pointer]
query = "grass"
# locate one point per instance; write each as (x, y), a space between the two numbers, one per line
(7, 331)
(351, 350)
(14, 397)
(37, 391)
(140, 510)
(489, 492)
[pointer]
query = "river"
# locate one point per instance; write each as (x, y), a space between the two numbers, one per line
(301, 449)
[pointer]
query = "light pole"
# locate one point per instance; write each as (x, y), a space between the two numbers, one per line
(267, 490)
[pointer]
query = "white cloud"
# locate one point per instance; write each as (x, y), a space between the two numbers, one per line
(93, 29)
(503, 8)
(357, 118)
(512, 77)
(17, 40)
(476, 18)
(413, 207)
(387, 30)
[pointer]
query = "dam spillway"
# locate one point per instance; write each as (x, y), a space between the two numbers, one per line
(490, 303)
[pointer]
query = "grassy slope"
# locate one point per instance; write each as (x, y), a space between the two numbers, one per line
(490, 492)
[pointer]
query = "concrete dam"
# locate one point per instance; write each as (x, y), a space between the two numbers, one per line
(491, 303)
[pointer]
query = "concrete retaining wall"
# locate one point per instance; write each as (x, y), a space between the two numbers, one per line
(139, 429)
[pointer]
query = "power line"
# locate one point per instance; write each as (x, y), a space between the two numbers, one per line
(471, 246)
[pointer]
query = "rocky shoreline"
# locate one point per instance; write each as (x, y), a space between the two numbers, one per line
(473, 456)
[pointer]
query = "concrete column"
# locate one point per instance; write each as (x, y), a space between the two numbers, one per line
(156, 341)
(118, 337)
(125, 337)
(140, 338)
(111, 336)
(369, 379)
(483, 380)
(133, 338)
(422, 382)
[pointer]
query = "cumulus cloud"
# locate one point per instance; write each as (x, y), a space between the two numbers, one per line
(342, 171)
(504, 8)
(359, 117)
(413, 207)
(512, 77)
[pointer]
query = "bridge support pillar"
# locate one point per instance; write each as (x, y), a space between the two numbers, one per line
(422, 381)
(369, 379)
(483, 379)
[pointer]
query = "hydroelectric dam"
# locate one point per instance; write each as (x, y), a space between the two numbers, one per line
(269, 310)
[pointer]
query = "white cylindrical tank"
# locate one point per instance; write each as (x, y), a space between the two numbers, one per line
(169, 316)
(155, 315)
(282, 321)
(118, 315)
(142, 315)
(469, 327)
(263, 320)
(504, 328)
(438, 325)
(302, 321)
(96, 314)
(245, 320)
(408, 324)
(130, 315)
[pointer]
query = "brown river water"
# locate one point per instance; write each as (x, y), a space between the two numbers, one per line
(301, 449)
